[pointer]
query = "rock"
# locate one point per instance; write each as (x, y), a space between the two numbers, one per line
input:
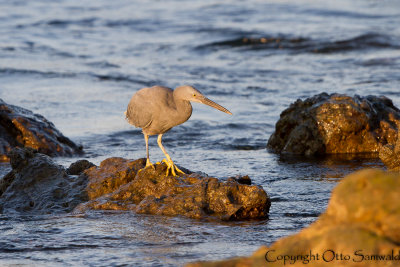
(5, 182)
(110, 175)
(20, 127)
(37, 184)
(390, 155)
(244, 180)
(79, 166)
(336, 123)
(362, 222)
(118, 184)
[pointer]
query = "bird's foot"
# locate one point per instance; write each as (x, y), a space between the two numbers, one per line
(148, 164)
(171, 167)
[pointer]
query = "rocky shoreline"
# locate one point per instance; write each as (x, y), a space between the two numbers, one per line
(38, 185)
(363, 211)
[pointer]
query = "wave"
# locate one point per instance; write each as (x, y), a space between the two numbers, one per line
(103, 64)
(123, 78)
(86, 22)
(53, 74)
(34, 48)
(92, 22)
(47, 74)
(307, 45)
(362, 42)
(10, 248)
(342, 14)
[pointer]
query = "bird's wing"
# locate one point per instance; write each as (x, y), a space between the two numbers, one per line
(137, 112)
(145, 104)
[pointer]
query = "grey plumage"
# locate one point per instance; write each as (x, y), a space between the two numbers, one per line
(157, 109)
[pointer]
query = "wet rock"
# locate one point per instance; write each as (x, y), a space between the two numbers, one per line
(242, 179)
(118, 184)
(37, 184)
(20, 127)
(390, 155)
(5, 182)
(336, 123)
(362, 220)
(110, 175)
(79, 166)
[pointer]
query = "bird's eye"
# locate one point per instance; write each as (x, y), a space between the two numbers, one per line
(194, 95)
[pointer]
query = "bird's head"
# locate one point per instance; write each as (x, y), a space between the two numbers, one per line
(190, 93)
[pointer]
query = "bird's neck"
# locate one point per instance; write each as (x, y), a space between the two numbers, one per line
(183, 109)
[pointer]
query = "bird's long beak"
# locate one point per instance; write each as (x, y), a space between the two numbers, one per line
(208, 102)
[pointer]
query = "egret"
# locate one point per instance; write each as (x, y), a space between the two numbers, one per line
(157, 109)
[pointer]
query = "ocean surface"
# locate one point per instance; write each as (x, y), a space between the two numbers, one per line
(79, 62)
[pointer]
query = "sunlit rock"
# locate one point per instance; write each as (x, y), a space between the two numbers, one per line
(336, 123)
(360, 227)
(20, 127)
(36, 184)
(390, 155)
(118, 184)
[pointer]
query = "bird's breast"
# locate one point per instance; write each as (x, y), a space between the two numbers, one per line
(168, 117)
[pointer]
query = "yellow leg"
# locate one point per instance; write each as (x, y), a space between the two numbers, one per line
(148, 163)
(170, 164)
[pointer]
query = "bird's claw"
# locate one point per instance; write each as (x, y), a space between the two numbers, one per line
(149, 164)
(171, 167)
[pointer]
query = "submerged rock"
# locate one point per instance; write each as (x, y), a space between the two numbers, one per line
(37, 184)
(362, 222)
(20, 127)
(336, 123)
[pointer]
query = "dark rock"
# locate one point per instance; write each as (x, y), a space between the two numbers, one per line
(19, 157)
(37, 184)
(244, 180)
(79, 166)
(240, 179)
(20, 127)
(5, 182)
(363, 216)
(336, 123)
